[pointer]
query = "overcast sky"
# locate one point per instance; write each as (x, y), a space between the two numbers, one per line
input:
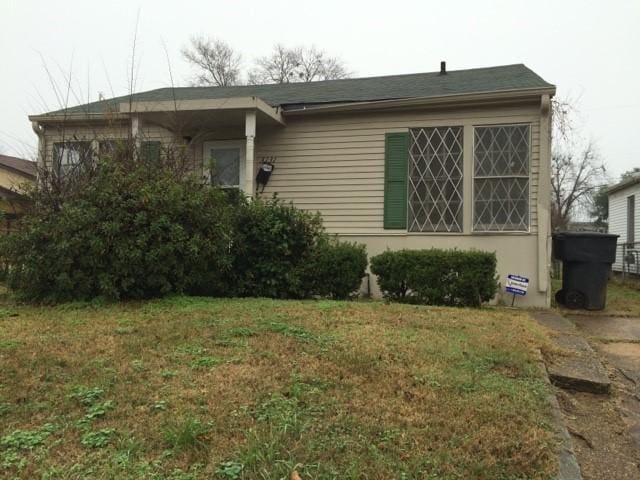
(589, 49)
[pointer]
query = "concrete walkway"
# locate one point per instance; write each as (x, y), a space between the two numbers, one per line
(598, 353)
(573, 363)
(617, 339)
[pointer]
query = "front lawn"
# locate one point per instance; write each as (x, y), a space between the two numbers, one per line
(202, 388)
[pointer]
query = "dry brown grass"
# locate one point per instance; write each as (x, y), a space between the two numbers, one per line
(342, 390)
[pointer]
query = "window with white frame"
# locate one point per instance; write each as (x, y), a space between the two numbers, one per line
(224, 163)
(501, 178)
(69, 156)
(435, 179)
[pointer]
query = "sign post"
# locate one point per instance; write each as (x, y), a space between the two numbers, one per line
(516, 285)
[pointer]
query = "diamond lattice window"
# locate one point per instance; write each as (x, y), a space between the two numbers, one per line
(435, 179)
(501, 181)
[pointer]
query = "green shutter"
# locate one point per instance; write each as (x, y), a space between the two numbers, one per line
(396, 154)
(151, 152)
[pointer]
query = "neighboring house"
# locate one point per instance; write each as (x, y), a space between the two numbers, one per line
(624, 220)
(456, 159)
(14, 174)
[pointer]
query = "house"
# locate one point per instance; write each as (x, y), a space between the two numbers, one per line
(14, 174)
(448, 159)
(624, 220)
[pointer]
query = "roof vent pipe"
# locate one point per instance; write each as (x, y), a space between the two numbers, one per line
(443, 68)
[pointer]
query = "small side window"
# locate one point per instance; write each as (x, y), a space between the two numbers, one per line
(150, 152)
(68, 157)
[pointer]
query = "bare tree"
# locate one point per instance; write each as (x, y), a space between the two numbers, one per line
(575, 178)
(317, 65)
(299, 64)
(217, 62)
(279, 67)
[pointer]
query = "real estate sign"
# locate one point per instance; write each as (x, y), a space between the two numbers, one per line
(517, 284)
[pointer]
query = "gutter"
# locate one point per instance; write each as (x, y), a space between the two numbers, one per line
(465, 98)
(623, 185)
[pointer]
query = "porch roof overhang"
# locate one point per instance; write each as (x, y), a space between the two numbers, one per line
(210, 111)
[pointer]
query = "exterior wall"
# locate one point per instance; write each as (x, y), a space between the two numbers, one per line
(11, 180)
(334, 164)
(515, 254)
(618, 219)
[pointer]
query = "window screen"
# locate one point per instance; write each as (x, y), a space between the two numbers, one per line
(225, 166)
(501, 178)
(435, 179)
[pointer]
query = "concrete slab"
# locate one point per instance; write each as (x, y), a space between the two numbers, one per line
(575, 366)
(610, 328)
(624, 357)
(553, 321)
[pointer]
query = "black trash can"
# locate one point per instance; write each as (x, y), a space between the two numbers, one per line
(586, 261)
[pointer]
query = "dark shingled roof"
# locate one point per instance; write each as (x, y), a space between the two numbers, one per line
(292, 95)
(26, 167)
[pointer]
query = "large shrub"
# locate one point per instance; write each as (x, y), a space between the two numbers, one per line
(271, 240)
(126, 232)
(437, 277)
(334, 270)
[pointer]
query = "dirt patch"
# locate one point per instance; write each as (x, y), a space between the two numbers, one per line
(622, 349)
(603, 446)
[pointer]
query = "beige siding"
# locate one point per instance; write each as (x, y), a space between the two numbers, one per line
(335, 164)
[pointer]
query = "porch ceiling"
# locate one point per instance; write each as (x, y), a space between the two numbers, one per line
(199, 120)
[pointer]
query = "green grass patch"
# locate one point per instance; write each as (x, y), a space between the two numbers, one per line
(197, 388)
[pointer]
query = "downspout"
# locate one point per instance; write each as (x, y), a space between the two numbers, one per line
(39, 131)
(544, 198)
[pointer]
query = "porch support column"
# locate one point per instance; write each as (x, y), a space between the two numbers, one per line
(135, 133)
(544, 197)
(249, 170)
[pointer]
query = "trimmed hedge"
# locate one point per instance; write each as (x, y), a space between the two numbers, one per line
(437, 277)
(334, 270)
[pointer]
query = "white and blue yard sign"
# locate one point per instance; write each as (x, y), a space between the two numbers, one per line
(517, 285)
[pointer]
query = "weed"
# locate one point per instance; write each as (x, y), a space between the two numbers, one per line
(297, 332)
(167, 373)
(98, 410)
(244, 332)
(5, 408)
(230, 470)
(205, 362)
(186, 434)
(137, 365)
(26, 439)
(86, 396)
(97, 439)
(9, 344)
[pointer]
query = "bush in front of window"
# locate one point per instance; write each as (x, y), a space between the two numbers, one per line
(437, 277)
(333, 270)
(126, 232)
